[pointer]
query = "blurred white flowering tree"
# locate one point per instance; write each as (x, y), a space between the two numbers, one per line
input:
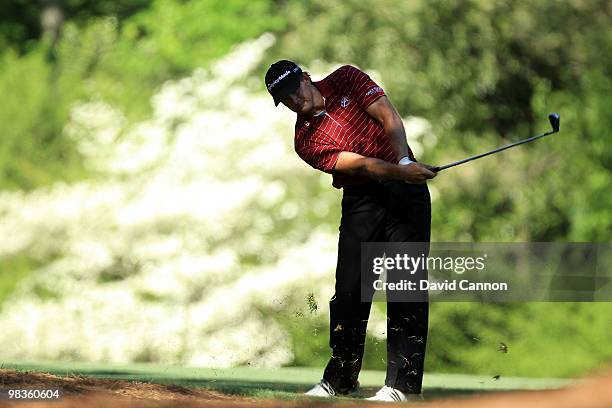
(201, 233)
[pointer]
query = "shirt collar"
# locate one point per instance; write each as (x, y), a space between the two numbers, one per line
(326, 90)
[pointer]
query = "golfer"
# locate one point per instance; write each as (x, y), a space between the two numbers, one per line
(347, 127)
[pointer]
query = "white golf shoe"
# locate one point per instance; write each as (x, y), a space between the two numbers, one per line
(388, 394)
(322, 389)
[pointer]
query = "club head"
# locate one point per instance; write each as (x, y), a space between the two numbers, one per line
(554, 119)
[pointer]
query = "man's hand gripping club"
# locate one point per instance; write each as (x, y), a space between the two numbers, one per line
(358, 165)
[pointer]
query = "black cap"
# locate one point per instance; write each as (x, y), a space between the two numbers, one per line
(282, 78)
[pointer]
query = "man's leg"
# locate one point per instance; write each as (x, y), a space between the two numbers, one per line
(362, 221)
(409, 220)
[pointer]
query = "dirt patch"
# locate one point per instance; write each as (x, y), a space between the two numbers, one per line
(81, 391)
(81, 387)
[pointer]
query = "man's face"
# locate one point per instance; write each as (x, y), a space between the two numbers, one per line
(301, 100)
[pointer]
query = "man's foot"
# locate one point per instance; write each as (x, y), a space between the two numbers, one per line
(322, 389)
(389, 394)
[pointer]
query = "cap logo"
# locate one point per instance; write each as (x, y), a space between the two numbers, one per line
(280, 78)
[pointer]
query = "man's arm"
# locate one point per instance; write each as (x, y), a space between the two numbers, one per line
(358, 165)
(384, 112)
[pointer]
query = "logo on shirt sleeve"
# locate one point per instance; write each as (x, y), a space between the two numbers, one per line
(374, 90)
(344, 101)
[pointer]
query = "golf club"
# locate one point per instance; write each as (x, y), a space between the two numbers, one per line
(554, 119)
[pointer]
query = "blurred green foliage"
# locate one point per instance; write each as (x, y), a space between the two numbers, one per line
(483, 72)
(543, 339)
(13, 269)
(33, 151)
(120, 52)
(20, 20)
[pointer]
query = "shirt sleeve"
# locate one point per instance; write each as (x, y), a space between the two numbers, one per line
(361, 87)
(318, 154)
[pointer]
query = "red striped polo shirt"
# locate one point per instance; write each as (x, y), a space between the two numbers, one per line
(345, 126)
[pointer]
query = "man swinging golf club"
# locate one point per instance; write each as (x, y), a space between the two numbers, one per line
(346, 126)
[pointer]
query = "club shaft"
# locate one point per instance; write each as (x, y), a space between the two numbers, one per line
(499, 149)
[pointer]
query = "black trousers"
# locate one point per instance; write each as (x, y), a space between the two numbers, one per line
(390, 211)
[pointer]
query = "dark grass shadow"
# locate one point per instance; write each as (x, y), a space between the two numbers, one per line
(435, 393)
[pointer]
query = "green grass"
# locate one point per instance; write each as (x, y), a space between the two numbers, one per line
(284, 383)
